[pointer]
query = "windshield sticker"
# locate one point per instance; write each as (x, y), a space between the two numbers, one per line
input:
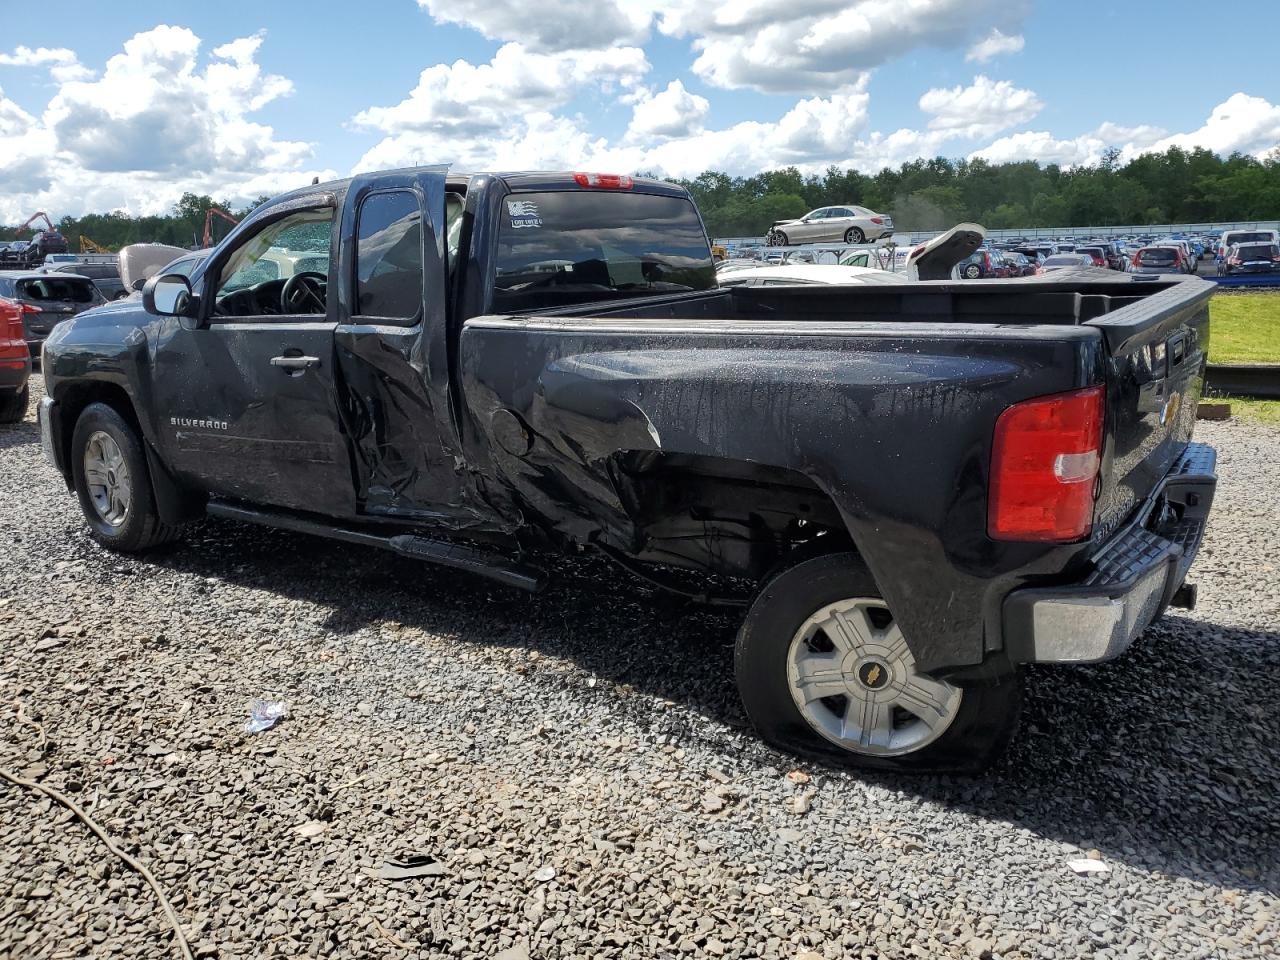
(524, 213)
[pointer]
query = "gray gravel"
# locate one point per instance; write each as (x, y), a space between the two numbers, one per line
(580, 767)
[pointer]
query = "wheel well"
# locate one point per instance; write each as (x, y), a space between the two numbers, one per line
(728, 517)
(77, 396)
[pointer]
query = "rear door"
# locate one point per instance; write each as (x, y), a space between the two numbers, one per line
(247, 401)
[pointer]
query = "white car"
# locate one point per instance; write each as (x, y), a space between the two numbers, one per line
(843, 224)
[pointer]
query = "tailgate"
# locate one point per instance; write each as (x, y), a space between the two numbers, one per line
(1156, 355)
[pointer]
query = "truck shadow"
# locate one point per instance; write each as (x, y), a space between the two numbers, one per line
(1164, 759)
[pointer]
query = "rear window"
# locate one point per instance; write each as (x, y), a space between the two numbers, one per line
(1244, 237)
(576, 246)
(1257, 251)
(69, 289)
(1157, 257)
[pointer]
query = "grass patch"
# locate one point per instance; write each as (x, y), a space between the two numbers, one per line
(1258, 411)
(1244, 328)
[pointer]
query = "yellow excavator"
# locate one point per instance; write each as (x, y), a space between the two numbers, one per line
(88, 246)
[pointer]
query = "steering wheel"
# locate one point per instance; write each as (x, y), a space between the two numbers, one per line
(301, 290)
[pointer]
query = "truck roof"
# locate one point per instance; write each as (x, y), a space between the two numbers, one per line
(516, 181)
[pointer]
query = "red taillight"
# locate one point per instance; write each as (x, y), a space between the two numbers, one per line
(29, 308)
(986, 259)
(603, 181)
(1044, 464)
(879, 220)
(12, 339)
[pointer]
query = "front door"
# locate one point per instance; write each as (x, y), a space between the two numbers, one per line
(393, 350)
(249, 398)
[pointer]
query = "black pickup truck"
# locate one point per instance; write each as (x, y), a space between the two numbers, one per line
(912, 489)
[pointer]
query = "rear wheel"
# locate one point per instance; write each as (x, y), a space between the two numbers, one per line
(825, 671)
(854, 235)
(13, 406)
(113, 483)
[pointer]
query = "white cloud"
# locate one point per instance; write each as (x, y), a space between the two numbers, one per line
(1241, 124)
(1142, 135)
(158, 122)
(994, 45)
(772, 47)
(13, 119)
(468, 113)
(983, 108)
(64, 66)
(1044, 147)
(675, 112)
(550, 25)
(23, 56)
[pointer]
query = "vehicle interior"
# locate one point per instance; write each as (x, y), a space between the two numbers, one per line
(282, 270)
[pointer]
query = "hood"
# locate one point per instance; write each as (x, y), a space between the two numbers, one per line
(139, 261)
(935, 259)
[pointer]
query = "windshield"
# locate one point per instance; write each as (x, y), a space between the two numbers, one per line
(575, 246)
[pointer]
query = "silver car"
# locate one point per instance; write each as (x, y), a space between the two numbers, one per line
(843, 224)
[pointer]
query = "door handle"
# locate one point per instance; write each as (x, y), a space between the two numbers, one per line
(298, 363)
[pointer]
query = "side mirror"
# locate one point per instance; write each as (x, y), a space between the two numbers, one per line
(169, 296)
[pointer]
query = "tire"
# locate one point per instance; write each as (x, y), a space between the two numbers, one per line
(129, 523)
(970, 728)
(854, 235)
(972, 272)
(779, 239)
(13, 406)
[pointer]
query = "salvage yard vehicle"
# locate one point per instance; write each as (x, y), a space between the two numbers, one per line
(844, 224)
(912, 489)
(46, 299)
(15, 363)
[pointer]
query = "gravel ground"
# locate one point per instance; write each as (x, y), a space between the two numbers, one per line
(579, 766)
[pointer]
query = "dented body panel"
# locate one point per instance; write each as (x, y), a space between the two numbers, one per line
(714, 430)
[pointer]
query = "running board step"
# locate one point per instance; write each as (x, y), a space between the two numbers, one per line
(455, 555)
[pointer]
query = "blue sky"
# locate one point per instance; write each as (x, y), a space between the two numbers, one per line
(127, 105)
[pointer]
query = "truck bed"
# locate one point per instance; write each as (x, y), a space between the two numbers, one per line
(884, 398)
(1068, 298)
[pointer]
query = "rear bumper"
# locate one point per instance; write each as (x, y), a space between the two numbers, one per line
(14, 373)
(1134, 577)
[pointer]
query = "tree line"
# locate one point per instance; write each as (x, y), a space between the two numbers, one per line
(182, 227)
(1176, 186)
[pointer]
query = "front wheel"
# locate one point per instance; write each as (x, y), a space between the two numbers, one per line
(854, 235)
(777, 239)
(113, 483)
(972, 272)
(825, 671)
